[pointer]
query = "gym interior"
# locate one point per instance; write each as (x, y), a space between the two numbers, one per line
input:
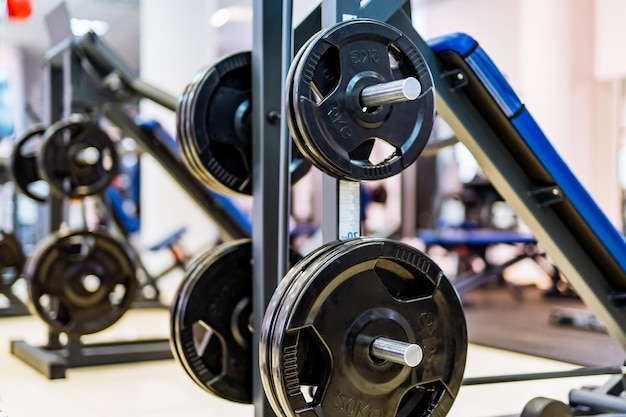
(281, 208)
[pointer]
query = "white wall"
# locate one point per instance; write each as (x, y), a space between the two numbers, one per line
(547, 50)
(175, 42)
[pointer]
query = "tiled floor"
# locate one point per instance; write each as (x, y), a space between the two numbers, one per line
(161, 388)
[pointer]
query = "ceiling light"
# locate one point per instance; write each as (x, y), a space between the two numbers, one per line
(81, 26)
(232, 14)
(220, 17)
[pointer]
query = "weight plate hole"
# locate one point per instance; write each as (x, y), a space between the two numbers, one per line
(149, 292)
(395, 59)
(107, 160)
(313, 364)
(231, 157)
(39, 188)
(208, 346)
(326, 77)
(9, 274)
(44, 302)
(371, 110)
(117, 295)
(375, 151)
(419, 399)
(402, 283)
(91, 283)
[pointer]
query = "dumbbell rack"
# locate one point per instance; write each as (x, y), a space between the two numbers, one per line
(273, 43)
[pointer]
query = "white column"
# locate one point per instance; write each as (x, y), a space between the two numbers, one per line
(176, 40)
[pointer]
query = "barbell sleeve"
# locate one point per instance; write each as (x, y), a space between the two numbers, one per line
(406, 89)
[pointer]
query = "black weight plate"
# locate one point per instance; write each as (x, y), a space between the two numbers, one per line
(211, 320)
(80, 282)
(336, 306)
(77, 158)
(327, 84)
(12, 260)
(23, 165)
(276, 304)
(215, 129)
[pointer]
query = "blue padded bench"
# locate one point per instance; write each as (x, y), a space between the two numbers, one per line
(477, 101)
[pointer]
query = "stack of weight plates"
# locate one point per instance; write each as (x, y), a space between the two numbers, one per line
(214, 127)
(319, 325)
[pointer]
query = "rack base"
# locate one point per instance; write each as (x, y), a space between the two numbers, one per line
(52, 362)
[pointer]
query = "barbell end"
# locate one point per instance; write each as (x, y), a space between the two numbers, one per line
(406, 89)
(402, 353)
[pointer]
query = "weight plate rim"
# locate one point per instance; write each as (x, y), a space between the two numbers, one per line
(190, 275)
(224, 65)
(10, 238)
(182, 116)
(173, 340)
(280, 296)
(206, 262)
(274, 310)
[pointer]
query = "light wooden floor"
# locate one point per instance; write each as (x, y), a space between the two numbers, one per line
(161, 388)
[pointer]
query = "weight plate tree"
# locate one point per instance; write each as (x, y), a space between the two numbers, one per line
(356, 85)
(80, 282)
(369, 326)
(12, 260)
(77, 158)
(210, 326)
(214, 128)
(23, 165)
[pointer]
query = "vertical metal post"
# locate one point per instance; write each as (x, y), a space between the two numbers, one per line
(409, 201)
(271, 149)
(341, 200)
(59, 104)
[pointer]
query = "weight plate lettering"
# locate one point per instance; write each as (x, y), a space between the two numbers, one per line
(320, 325)
(339, 134)
(80, 282)
(77, 158)
(214, 127)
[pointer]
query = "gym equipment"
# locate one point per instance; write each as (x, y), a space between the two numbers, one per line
(77, 158)
(80, 282)
(214, 127)
(210, 321)
(23, 165)
(478, 103)
(546, 407)
(358, 83)
(368, 326)
(12, 260)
